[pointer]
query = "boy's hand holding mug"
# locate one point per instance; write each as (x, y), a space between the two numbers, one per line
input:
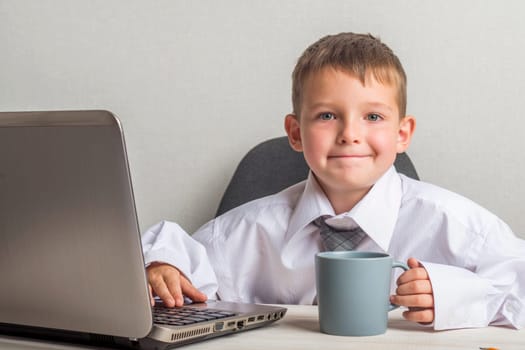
(414, 290)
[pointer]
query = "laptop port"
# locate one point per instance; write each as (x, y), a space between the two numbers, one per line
(260, 318)
(240, 324)
(251, 319)
(219, 326)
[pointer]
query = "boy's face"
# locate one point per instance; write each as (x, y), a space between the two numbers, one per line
(349, 133)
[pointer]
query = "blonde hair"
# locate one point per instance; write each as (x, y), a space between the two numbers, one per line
(356, 54)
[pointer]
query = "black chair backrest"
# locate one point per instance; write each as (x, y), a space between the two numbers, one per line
(272, 166)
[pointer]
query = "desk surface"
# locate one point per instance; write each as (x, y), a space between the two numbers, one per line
(300, 330)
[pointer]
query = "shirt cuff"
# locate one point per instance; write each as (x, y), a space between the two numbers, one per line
(460, 297)
(169, 243)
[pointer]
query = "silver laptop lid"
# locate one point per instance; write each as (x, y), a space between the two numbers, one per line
(67, 214)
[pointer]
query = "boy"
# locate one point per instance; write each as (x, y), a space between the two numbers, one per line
(349, 101)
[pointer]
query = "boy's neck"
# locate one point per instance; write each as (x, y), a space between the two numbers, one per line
(343, 201)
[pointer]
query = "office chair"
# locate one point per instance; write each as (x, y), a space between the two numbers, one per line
(272, 166)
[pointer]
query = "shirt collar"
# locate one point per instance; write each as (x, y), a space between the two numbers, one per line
(376, 213)
(312, 204)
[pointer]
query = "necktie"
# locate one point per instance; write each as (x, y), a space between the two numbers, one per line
(334, 239)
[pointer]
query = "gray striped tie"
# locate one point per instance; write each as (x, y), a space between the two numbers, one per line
(334, 239)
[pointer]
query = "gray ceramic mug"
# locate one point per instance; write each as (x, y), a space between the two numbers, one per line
(353, 290)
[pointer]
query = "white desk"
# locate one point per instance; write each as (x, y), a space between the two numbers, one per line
(300, 330)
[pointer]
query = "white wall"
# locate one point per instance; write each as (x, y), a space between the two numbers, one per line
(197, 83)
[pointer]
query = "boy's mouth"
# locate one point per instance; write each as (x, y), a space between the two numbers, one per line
(352, 156)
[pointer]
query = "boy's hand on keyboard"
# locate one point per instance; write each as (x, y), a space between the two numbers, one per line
(171, 285)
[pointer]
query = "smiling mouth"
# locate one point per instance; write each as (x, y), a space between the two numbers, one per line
(350, 156)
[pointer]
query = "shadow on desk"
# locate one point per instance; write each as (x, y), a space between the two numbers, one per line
(23, 343)
(404, 325)
(308, 324)
(305, 325)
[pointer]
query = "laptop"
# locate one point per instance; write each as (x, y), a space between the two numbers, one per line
(70, 252)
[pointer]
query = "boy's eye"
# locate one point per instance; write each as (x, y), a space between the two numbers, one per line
(326, 116)
(373, 117)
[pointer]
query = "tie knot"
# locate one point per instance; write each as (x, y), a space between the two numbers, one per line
(320, 221)
(338, 239)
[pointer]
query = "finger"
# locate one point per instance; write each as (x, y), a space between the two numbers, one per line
(151, 298)
(418, 273)
(191, 292)
(173, 283)
(415, 300)
(413, 263)
(161, 289)
(415, 287)
(420, 315)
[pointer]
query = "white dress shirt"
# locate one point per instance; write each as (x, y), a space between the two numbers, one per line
(263, 251)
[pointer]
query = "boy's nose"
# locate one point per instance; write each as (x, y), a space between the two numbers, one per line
(350, 132)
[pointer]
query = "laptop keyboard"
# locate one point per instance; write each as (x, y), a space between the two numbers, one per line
(182, 316)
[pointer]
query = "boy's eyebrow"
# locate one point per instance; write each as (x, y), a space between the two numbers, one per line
(318, 105)
(379, 105)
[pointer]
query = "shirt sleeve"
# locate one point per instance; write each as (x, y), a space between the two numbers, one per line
(489, 291)
(167, 242)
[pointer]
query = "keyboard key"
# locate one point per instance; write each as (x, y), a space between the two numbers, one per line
(184, 315)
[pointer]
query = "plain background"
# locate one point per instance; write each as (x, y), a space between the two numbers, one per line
(196, 84)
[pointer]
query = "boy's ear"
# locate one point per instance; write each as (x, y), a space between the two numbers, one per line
(407, 125)
(293, 129)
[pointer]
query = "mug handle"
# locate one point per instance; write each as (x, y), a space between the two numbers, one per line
(404, 267)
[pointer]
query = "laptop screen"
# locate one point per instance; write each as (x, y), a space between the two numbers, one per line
(70, 254)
